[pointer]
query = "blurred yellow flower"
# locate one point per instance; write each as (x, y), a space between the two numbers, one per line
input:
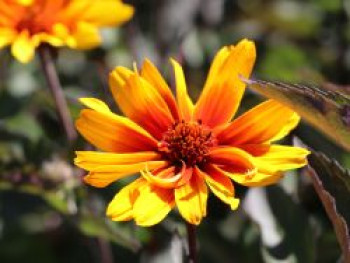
(181, 149)
(25, 24)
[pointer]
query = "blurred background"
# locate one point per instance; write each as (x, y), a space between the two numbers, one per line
(47, 214)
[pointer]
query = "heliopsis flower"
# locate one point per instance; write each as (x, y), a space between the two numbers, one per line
(181, 149)
(25, 24)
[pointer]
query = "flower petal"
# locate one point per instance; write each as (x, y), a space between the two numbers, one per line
(164, 179)
(235, 163)
(275, 158)
(120, 208)
(191, 199)
(183, 99)
(104, 175)
(223, 90)
(108, 13)
(25, 2)
(168, 177)
(140, 101)
(95, 104)
(8, 14)
(290, 125)
(266, 122)
(23, 47)
(89, 160)
(220, 185)
(111, 132)
(7, 36)
(152, 204)
(85, 36)
(271, 161)
(48, 38)
(150, 73)
(235, 158)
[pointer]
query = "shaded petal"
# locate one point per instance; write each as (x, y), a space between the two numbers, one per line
(111, 132)
(223, 90)
(220, 185)
(168, 177)
(140, 101)
(150, 73)
(237, 176)
(235, 163)
(121, 207)
(48, 38)
(262, 179)
(271, 161)
(266, 122)
(238, 160)
(152, 205)
(275, 158)
(183, 99)
(23, 47)
(191, 199)
(104, 175)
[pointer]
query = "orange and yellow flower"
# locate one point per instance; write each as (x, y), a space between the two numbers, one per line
(25, 24)
(183, 149)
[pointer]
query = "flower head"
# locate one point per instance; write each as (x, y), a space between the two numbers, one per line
(25, 24)
(183, 149)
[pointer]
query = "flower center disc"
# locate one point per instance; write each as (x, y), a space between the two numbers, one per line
(187, 142)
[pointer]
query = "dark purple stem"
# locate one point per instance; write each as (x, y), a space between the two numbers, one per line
(53, 82)
(105, 251)
(192, 243)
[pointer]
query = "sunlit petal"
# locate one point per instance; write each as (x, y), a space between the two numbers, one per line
(237, 159)
(140, 101)
(150, 73)
(121, 207)
(183, 100)
(23, 47)
(275, 158)
(152, 204)
(266, 122)
(223, 91)
(191, 199)
(104, 175)
(113, 133)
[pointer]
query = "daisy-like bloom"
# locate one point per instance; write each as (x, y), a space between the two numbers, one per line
(183, 149)
(25, 24)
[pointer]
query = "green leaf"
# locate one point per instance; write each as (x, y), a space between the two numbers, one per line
(332, 184)
(328, 111)
(98, 226)
(24, 124)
